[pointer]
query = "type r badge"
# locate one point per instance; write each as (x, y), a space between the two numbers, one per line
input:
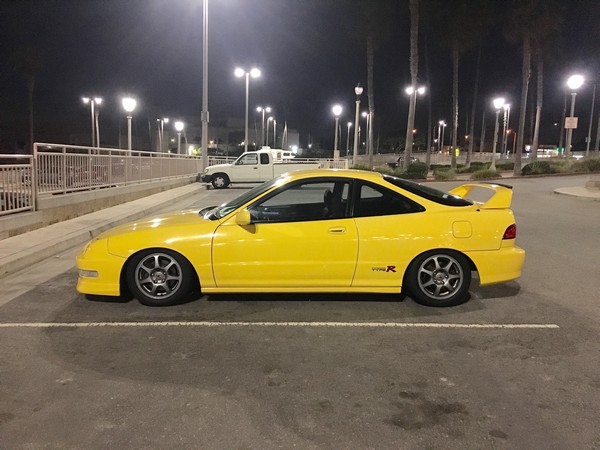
(384, 269)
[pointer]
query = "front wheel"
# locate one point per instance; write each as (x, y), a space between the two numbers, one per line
(159, 277)
(439, 278)
(220, 181)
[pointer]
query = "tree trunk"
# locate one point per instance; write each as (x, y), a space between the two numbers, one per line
(455, 58)
(414, 68)
(474, 109)
(30, 87)
(538, 106)
(524, 88)
(371, 97)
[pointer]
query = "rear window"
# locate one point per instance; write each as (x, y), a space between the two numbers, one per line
(429, 193)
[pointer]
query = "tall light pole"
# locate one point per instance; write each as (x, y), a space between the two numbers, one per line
(161, 132)
(274, 133)
(574, 82)
(506, 108)
(337, 110)
(498, 105)
(263, 110)
(179, 128)
(348, 139)
(270, 119)
(358, 90)
(129, 105)
(514, 139)
(94, 113)
(411, 91)
(254, 73)
(440, 124)
(205, 116)
(443, 127)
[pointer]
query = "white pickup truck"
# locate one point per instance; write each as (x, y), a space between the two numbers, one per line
(255, 167)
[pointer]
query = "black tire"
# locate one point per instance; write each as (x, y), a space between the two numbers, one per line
(220, 181)
(439, 278)
(159, 277)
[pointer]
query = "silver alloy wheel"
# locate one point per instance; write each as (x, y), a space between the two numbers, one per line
(440, 276)
(158, 275)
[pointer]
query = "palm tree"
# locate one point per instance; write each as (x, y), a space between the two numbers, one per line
(28, 62)
(371, 26)
(454, 15)
(413, 6)
(546, 31)
(532, 21)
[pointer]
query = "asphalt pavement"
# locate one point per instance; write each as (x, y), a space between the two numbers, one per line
(21, 251)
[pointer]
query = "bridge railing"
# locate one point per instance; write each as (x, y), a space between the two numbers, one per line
(69, 168)
(16, 187)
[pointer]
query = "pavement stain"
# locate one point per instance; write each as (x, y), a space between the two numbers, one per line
(415, 411)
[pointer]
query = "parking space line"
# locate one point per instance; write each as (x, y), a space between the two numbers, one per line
(208, 324)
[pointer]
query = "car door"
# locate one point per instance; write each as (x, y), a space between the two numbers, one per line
(246, 168)
(295, 240)
(390, 228)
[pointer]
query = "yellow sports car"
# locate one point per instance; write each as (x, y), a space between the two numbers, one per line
(320, 231)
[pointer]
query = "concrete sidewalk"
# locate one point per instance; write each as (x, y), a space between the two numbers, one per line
(24, 250)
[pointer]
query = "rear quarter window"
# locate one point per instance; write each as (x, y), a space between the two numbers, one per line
(427, 192)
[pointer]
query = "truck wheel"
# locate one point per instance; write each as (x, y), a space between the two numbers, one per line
(220, 181)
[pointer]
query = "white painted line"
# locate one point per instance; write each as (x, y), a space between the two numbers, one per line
(209, 324)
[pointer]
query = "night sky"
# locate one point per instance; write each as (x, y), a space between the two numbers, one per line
(151, 49)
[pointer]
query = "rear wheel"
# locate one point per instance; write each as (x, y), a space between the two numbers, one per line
(159, 277)
(439, 278)
(220, 181)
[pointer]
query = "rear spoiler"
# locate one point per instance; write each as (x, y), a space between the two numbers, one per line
(501, 199)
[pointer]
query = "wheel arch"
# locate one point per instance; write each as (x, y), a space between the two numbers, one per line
(472, 265)
(123, 275)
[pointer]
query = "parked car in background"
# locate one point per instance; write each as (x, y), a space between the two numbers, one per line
(400, 161)
(318, 231)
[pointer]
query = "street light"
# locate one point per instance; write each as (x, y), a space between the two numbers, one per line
(574, 82)
(358, 90)
(367, 116)
(337, 110)
(254, 73)
(506, 108)
(263, 110)
(270, 119)
(179, 128)
(204, 116)
(498, 105)
(161, 132)
(129, 105)
(412, 91)
(94, 112)
(514, 139)
(348, 139)
(441, 129)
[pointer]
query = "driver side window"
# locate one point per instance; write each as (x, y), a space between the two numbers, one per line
(303, 201)
(248, 160)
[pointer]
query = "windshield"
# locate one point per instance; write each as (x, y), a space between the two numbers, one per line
(221, 211)
(427, 192)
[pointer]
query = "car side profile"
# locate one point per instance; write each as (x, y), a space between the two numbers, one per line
(320, 231)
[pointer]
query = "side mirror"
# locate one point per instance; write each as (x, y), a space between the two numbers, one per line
(243, 218)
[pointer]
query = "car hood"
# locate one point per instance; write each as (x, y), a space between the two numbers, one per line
(159, 223)
(217, 167)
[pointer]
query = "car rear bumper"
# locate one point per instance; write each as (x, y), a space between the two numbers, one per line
(498, 266)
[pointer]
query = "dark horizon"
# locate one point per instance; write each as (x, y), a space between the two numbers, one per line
(152, 50)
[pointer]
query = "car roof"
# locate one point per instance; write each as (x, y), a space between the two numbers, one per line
(341, 173)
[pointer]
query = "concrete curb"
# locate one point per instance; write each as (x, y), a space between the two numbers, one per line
(24, 250)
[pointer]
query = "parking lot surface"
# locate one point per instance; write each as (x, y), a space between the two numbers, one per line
(515, 367)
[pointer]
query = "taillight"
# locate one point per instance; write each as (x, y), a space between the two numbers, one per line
(511, 232)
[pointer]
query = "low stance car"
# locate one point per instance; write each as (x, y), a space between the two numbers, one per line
(318, 231)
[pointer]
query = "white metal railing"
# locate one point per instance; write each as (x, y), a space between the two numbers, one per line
(69, 168)
(16, 187)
